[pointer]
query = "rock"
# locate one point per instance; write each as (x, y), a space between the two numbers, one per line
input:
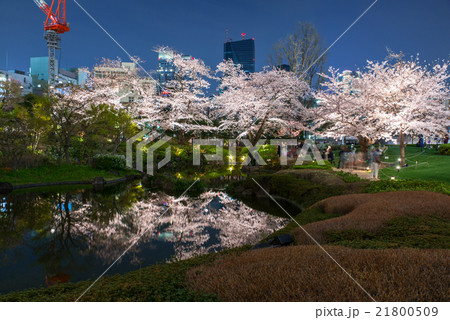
(282, 240)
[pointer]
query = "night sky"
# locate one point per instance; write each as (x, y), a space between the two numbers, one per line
(197, 27)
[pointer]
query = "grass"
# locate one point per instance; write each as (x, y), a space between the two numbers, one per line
(430, 165)
(310, 215)
(398, 185)
(426, 232)
(348, 177)
(415, 219)
(314, 165)
(371, 212)
(306, 273)
(55, 173)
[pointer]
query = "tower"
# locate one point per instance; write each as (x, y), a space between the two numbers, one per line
(54, 25)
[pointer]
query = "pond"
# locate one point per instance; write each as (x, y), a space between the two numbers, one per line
(74, 234)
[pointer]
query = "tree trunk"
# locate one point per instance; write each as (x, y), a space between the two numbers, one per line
(402, 141)
(59, 158)
(115, 147)
(66, 151)
(182, 137)
(255, 138)
(364, 142)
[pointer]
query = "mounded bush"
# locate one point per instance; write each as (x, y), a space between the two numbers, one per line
(403, 185)
(314, 165)
(444, 149)
(109, 162)
(305, 273)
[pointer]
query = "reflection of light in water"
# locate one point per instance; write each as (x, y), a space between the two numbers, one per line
(69, 206)
(212, 222)
(167, 236)
(3, 205)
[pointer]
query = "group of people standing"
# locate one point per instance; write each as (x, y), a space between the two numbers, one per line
(428, 143)
(349, 159)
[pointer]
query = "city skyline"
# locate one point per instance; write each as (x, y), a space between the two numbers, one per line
(198, 28)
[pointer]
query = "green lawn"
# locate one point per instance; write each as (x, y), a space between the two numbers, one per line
(427, 232)
(426, 165)
(54, 173)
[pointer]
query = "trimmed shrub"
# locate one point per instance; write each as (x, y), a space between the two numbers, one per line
(109, 162)
(348, 177)
(371, 212)
(305, 273)
(314, 165)
(400, 185)
(444, 149)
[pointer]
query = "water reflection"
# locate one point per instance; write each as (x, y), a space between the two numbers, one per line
(46, 237)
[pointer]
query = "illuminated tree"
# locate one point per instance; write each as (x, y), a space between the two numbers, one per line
(260, 104)
(392, 98)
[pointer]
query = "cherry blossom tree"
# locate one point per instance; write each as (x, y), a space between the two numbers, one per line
(343, 110)
(184, 106)
(392, 98)
(409, 98)
(68, 115)
(261, 103)
(109, 84)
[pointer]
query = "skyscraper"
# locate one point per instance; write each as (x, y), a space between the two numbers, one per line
(166, 68)
(241, 52)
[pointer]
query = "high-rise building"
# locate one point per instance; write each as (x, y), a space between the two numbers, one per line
(126, 95)
(39, 73)
(20, 77)
(166, 69)
(241, 52)
(347, 77)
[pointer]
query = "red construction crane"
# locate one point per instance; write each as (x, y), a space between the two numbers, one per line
(55, 24)
(55, 21)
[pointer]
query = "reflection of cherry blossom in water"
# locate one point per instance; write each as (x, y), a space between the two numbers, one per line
(197, 226)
